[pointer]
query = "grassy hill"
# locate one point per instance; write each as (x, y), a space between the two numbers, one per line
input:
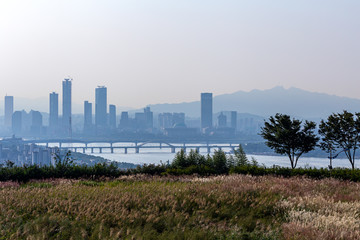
(146, 207)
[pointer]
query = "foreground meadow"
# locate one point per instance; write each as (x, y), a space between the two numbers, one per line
(145, 207)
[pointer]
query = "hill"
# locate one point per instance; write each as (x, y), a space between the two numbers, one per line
(293, 101)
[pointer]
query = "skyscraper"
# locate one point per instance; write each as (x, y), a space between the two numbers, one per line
(9, 109)
(234, 119)
(124, 120)
(36, 122)
(54, 111)
(222, 121)
(101, 106)
(149, 120)
(16, 122)
(87, 116)
(66, 104)
(112, 116)
(206, 110)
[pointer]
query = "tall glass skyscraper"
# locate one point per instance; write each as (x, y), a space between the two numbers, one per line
(112, 116)
(87, 116)
(206, 110)
(66, 104)
(9, 109)
(101, 106)
(54, 110)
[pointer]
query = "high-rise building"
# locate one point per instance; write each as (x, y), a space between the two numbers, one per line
(149, 120)
(17, 122)
(54, 111)
(112, 116)
(9, 110)
(124, 120)
(101, 106)
(36, 122)
(66, 104)
(206, 110)
(178, 118)
(87, 116)
(233, 119)
(222, 120)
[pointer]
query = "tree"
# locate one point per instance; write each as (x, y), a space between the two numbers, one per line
(288, 137)
(240, 157)
(220, 162)
(341, 132)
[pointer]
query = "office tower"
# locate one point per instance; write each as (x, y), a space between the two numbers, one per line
(36, 122)
(148, 118)
(9, 109)
(87, 116)
(169, 120)
(124, 120)
(54, 110)
(222, 120)
(17, 122)
(206, 110)
(234, 119)
(100, 106)
(165, 120)
(66, 104)
(112, 116)
(178, 118)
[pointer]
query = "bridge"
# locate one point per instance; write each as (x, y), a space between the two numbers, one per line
(100, 146)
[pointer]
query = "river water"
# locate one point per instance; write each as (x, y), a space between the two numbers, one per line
(157, 155)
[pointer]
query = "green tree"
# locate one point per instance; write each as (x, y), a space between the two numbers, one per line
(220, 161)
(341, 132)
(240, 157)
(180, 160)
(288, 137)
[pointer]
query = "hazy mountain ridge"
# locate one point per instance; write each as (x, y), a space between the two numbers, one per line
(296, 102)
(293, 101)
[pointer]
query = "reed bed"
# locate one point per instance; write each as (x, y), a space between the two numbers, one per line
(182, 207)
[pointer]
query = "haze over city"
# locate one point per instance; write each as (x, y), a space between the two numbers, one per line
(149, 52)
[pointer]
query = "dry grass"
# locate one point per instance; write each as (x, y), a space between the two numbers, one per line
(144, 207)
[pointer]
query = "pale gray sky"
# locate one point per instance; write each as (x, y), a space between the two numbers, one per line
(169, 51)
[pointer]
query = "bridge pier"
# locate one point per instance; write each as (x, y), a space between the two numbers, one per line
(83, 150)
(125, 150)
(112, 150)
(100, 150)
(198, 149)
(75, 149)
(60, 144)
(233, 149)
(160, 146)
(47, 144)
(184, 148)
(137, 150)
(172, 150)
(208, 149)
(92, 150)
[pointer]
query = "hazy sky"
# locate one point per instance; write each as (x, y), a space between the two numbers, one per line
(155, 51)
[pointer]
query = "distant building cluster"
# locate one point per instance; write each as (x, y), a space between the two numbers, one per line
(101, 119)
(14, 150)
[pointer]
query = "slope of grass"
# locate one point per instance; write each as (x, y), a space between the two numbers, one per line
(145, 207)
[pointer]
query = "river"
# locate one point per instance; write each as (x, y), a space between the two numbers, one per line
(157, 155)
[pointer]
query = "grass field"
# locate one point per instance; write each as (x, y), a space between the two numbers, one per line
(145, 207)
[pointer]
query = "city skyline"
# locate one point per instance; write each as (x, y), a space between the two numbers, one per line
(149, 52)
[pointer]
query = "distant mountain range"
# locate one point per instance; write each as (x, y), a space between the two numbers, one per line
(293, 101)
(296, 102)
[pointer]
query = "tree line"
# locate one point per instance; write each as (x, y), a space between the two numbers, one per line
(340, 132)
